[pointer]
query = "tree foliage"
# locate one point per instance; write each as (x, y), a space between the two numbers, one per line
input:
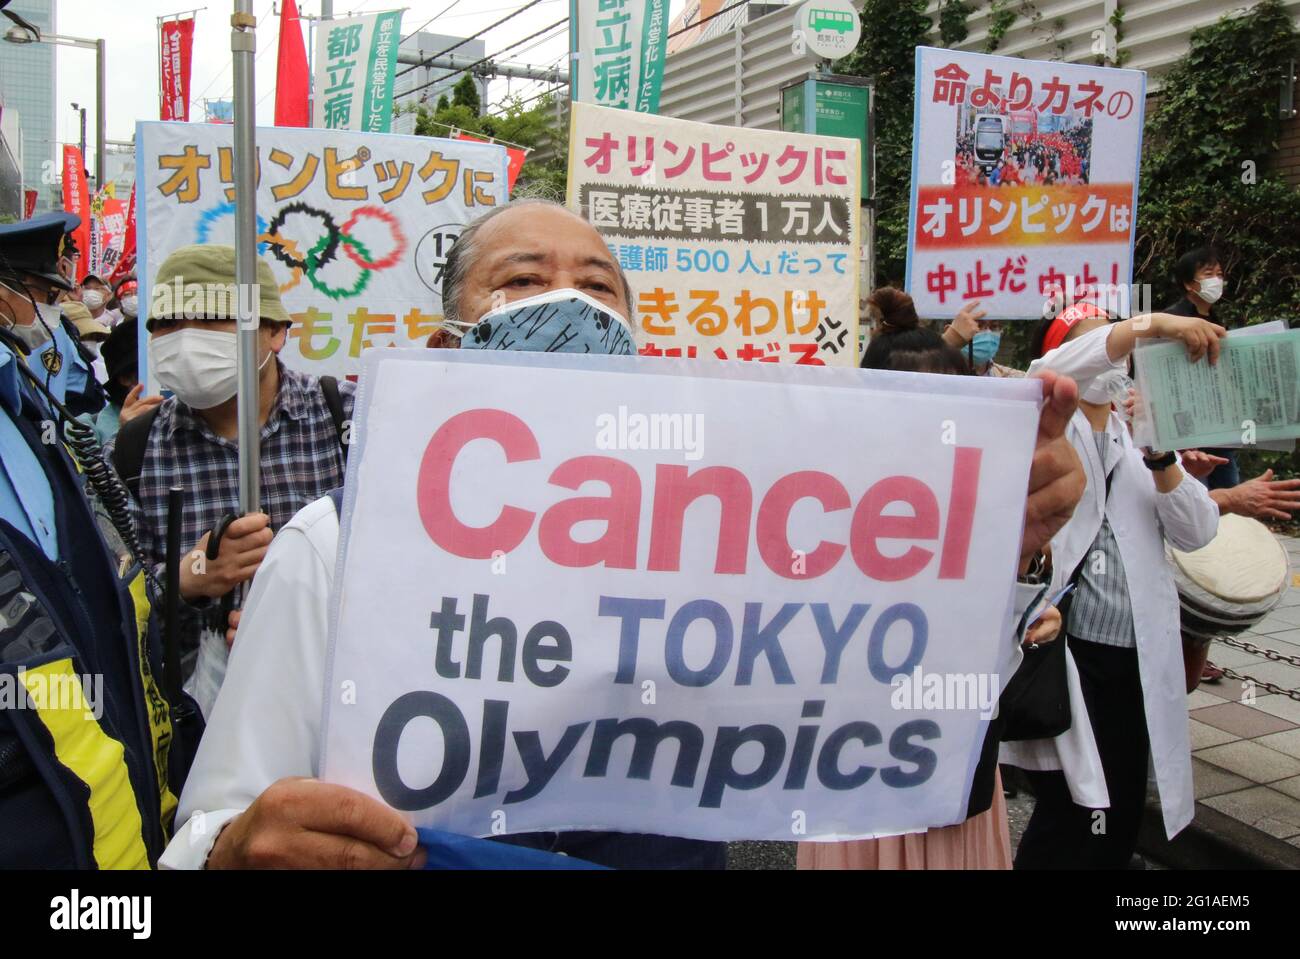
(529, 126)
(1204, 171)
(465, 94)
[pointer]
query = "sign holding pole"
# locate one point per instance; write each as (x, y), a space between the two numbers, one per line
(243, 41)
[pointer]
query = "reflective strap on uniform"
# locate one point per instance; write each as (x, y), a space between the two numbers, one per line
(94, 757)
(160, 719)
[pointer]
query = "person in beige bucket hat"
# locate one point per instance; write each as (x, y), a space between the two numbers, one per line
(190, 438)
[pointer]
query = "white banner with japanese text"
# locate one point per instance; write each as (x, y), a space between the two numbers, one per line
(622, 49)
(537, 624)
(356, 59)
(738, 244)
(355, 226)
(1024, 182)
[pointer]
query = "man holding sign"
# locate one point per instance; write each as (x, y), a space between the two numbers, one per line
(253, 797)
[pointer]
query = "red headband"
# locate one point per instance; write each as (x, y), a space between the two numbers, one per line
(1064, 322)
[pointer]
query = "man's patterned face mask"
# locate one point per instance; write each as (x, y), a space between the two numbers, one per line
(561, 321)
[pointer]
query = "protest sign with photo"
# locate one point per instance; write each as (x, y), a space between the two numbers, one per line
(612, 593)
(356, 59)
(1024, 181)
(356, 226)
(108, 220)
(738, 244)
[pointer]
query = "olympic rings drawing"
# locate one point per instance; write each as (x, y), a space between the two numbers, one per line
(203, 230)
(288, 251)
(337, 292)
(325, 252)
(350, 245)
(295, 275)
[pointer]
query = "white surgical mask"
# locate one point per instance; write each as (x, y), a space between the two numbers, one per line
(1211, 289)
(130, 303)
(200, 366)
(36, 334)
(92, 299)
(1105, 388)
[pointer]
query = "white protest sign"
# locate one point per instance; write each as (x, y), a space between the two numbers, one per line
(1024, 182)
(356, 226)
(738, 244)
(542, 622)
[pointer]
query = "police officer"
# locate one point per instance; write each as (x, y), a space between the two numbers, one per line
(85, 733)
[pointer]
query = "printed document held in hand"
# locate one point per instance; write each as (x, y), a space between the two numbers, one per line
(1251, 396)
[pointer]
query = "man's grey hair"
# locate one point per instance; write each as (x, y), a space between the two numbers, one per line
(461, 258)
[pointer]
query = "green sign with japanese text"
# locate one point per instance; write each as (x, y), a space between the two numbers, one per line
(841, 109)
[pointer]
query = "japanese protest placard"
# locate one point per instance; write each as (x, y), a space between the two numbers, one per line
(621, 46)
(356, 227)
(614, 596)
(107, 232)
(1250, 397)
(1024, 181)
(355, 61)
(738, 244)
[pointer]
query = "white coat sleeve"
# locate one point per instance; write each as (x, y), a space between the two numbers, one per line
(265, 724)
(1082, 359)
(1187, 514)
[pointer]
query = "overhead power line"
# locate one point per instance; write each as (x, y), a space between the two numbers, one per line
(546, 29)
(455, 46)
(442, 13)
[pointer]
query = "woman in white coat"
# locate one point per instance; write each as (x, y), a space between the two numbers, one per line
(1127, 687)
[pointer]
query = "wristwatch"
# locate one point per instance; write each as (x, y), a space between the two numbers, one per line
(1159, 463)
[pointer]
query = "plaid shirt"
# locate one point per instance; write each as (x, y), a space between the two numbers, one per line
(301, 461)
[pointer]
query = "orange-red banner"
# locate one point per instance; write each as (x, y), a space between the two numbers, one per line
(76, 199)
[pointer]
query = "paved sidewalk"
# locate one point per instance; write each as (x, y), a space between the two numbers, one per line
(1246, 744)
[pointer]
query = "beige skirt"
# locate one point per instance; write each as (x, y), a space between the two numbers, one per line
(981, 842)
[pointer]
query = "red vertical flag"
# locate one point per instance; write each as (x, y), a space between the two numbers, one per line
(127, 261)
(176, 44)
(291, 77)
(76, 199)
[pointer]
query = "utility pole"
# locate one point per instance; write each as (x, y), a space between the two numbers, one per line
(82, 111)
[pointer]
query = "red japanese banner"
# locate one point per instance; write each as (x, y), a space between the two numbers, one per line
(76, 199)
(514, 155)
(127, 261)
(29, 204)
(176, 43)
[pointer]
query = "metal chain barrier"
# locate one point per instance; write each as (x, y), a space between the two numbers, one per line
(1271, 654)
